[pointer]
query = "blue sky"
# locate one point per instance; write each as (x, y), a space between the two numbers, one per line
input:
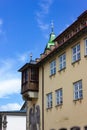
(25, 29)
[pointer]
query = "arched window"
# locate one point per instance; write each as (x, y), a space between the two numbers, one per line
(63, 129)
(75, 128)
(85, 128)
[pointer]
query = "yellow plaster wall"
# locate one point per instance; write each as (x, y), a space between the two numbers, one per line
(71, 113)
(36, 101)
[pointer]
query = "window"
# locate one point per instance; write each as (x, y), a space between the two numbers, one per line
(75, 128)
(59, 97)
(34, 74)
(53, 67)
(76, 53)
(78, 94)
(63, 129)
(25, 76)
(62, 62)
(49, 100)
(85, 46)
(85, 128)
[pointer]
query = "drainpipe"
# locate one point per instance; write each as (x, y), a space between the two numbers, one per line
(42, 97)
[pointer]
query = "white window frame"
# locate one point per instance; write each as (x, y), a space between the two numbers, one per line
(76, 53)
(78, 93)
(49, 100)
(59, 96)
(62, 61)
(53, 67)
(85, 47)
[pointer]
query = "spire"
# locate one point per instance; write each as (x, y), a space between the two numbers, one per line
(52, 27)
(51, 38)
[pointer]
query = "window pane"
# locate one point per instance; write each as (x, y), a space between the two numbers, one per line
(86, 51)
(64, 64)
(53, 67)
(60, 58)
(76, 53)
(76, 87)
(74, 58)
(86, 42)
(78, 56)
(34, 74)
(59, 97)
(78, 47)
(78, 94)
(62, 61)
(74, 50)
(49, 100)
(25, 76)
(85, 46)
(80, 85)
(64, 57)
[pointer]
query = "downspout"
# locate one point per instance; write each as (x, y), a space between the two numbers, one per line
(42, 97)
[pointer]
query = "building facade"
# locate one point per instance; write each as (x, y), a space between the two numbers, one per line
(55, 85)
(13, 120)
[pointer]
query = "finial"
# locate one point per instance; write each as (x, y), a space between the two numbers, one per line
(30, 56)
(52, 26)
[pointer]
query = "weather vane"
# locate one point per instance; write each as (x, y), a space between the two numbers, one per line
(30, 56)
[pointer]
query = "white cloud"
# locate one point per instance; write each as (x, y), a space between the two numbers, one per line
(7, 69)
(23, 57)
(10, 106)
(9, 78)
(10, 82)
(42, 25)
(44, 6)
(8, 87)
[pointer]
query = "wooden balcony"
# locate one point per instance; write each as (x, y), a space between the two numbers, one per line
(29, 86)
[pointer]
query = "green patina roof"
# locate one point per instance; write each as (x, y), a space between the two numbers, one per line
(51, 38)
(50, 42)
